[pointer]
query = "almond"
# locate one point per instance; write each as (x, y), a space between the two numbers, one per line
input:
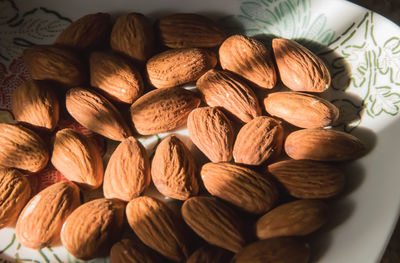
(215, 222)
(56, 63)
(323, 145)
(34, 102)
(22, 148)
(299, 68)
(132, 35)
(93, 227)
(189, 30)
(240, 186)
(173, 169)
(228, 91)
(96, 113)
(212, 132)
(282, 249)
(163, 110)
(258, 140)
(116, 76)
(297, 218)
(39, 224)
(249, 58)
(77, 158)
(308, 179)
(15, 191)
(210, 254)
(301, 109)
(179, 66)
(129, 251)
(87, 33)
(157, 227)
(128, 171)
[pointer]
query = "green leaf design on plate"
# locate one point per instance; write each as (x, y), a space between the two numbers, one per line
(383, 100)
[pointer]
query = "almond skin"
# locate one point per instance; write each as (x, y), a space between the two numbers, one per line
(323, 145)
(301, 109)
(39, 224)
(250, 59)
(299, 68)
(56, 63)
(94, 112)
(173, 169)
(240, 186)
(34, 102)
(157, 227)
(129, 251)
(77, 158)
(93, 227)
(15, 191)
(212, 132)
(179, 66)
(228, 91)
(210, 254)
(281, 249)
(116, 76)
(189, 30)
(128, 171)
(133, 36)
(214, 221)
(308, 179)
(22, 148)
(163, 110)
(258, 140)
(297, 218)
(87, 33)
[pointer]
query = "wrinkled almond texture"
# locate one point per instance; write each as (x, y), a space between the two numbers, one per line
(250, 59)
(92, 228)
(214, 221)
(179, 66)
(128, 171)
(77, 158)
(39, 224)
(129, 251)
(157, 227)
(22, 148)
(240, 186)
(163, 110)
(299, 68)
(258, 140)
(96, 113)
(211, 131)
(226, 90)
(15, 191)
(210, 254)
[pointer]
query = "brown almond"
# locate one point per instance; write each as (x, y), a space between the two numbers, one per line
(93, 227)
(323, 145)
(210, 254)
(308, 179)
(212, 132)
(215, 222)
(77, 158)
(299, 68)
(297, 218)
(57, 64)
(15, 191)
(240, 186)
(163, 110)
(228, 91)
(258, 140)
(157, 227)
(179, 66)
(39, 224)
(116, 76)
(301, 109)
(22, 148)
(96, 113)
(128, 171)
(129, 251)
(189, 30)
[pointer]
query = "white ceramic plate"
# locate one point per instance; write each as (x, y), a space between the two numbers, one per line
(362, 50)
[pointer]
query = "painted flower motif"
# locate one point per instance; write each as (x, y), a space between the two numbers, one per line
(389, 59)
(357, 56)
(383, 100)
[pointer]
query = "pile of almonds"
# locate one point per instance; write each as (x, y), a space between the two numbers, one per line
(256, 197)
